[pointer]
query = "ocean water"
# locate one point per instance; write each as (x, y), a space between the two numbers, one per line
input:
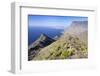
(35, 32)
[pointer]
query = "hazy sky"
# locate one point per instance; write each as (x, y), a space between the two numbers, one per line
(57, 22)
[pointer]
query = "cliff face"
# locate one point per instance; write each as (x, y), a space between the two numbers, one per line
(79, 29)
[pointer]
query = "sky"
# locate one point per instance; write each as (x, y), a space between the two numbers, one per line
(57, 22)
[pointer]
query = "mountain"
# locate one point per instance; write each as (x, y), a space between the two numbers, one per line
(78, 28)
(35, 32)
(36, 46)
(71, 45)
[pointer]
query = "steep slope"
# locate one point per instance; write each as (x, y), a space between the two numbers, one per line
(71, 45)
(66, 47)
(36, 46)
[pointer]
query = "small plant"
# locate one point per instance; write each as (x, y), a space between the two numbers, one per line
(64, 54)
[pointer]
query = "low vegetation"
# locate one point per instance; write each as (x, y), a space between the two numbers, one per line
(64, 48)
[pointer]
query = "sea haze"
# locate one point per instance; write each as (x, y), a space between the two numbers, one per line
(35, 32)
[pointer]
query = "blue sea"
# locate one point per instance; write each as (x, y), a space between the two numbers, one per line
(35, 32)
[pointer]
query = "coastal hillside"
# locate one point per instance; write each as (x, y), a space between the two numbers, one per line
(72, 44)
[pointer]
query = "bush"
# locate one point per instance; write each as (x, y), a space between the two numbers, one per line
(64, 54)
(67, 53)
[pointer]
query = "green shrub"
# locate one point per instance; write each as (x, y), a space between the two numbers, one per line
(64, 54)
